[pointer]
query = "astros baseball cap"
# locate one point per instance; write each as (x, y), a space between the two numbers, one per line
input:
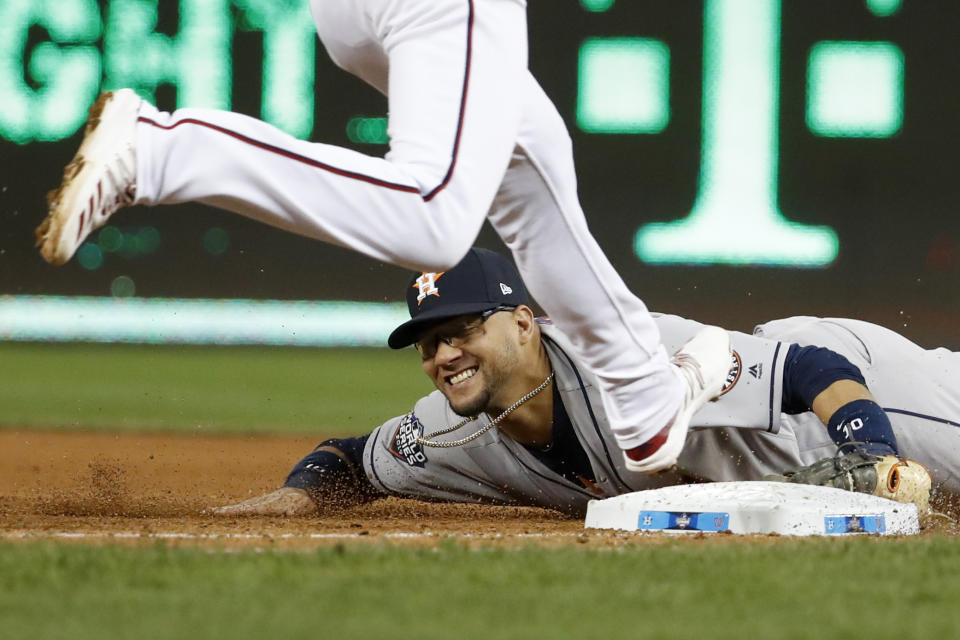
(482, 281)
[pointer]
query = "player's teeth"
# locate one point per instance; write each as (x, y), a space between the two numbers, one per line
(463, 375)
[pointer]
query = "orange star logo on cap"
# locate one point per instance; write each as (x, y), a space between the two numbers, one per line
(427, 284)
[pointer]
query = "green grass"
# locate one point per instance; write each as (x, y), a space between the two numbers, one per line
(237, 389)
(864, 588)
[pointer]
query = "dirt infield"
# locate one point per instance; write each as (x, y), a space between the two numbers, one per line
(140, 488)
(114, 488)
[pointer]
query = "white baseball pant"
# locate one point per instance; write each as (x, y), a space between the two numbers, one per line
(471, 134)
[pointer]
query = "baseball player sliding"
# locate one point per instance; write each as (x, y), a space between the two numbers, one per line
(472, 135)
(516, 419)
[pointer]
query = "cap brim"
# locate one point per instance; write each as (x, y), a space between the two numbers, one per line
(407, 333)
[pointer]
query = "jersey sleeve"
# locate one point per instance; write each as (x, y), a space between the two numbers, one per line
(491, 469)
(393, 460)
(397, 464)
(753, 391)
(849, 338)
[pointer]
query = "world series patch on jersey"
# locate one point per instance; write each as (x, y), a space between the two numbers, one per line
(405, 445)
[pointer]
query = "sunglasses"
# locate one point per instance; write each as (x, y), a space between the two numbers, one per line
(456, 335)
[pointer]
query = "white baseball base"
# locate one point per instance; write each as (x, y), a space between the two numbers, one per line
(753, 507)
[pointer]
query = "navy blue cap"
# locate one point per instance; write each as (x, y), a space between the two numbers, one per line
(482, 281)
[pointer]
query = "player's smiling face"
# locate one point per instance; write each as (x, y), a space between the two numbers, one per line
(470, 360)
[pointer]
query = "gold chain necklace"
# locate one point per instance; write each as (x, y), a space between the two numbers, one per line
(426, 442)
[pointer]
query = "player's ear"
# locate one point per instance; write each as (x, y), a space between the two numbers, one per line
(526, 324)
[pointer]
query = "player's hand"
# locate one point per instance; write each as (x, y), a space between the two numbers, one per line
(286, 501)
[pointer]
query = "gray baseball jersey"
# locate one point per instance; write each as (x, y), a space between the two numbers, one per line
(741, 436)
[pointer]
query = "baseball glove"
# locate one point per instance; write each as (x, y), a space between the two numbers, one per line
(888, 476)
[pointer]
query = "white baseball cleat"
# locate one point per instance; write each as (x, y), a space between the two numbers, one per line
(100, 179)
(702, 365)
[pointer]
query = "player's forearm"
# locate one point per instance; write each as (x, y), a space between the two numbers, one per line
(332, 474)
(838, 394)
(834, 389)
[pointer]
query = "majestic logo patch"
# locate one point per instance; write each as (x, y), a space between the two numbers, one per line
(756, 370)
(734, 374)
(427, 284)
(405, 446)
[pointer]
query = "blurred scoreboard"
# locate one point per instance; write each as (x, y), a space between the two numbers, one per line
(738, 160)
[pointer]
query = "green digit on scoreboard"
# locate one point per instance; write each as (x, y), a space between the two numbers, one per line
(736, 217)
(854, 89)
